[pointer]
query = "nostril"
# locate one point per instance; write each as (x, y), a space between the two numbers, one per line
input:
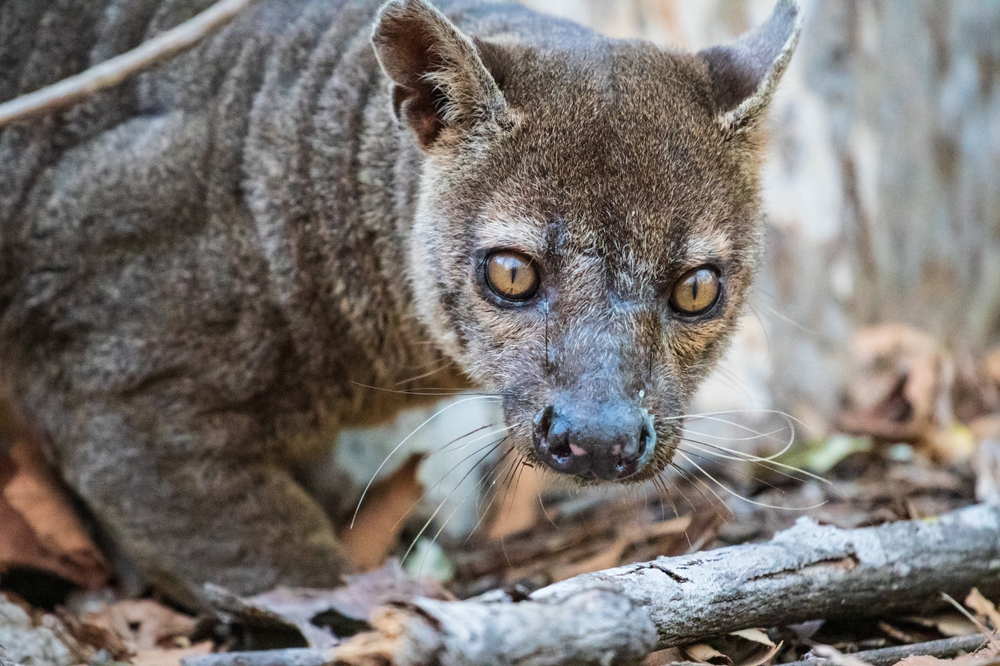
(558, 440)
(632, 457)
(645, 440)
(553, 442)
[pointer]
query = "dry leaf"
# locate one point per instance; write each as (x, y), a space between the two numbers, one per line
(663, 657)
(901, 376)
(947, 623)
(747, 647)
(703, 653)
(983, 607)
(346, 609)
(378, 524)
(38, 526)
(140, 625)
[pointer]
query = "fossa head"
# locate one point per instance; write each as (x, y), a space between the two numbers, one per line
(588, 221)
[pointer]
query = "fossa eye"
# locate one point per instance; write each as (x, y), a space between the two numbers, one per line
(696, 292)
(511, 275)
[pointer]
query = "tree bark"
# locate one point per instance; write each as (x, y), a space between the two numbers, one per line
(619, 615)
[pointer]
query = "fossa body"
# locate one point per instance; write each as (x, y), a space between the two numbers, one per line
(202, 270)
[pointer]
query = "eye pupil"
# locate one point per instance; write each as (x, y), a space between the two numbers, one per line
(511, 275)
(696, 292)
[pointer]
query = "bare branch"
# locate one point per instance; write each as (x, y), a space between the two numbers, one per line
(942, 649)
(288, 657)
(614, 617)
(115, 70)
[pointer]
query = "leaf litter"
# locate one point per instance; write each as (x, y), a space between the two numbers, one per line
(919, 435)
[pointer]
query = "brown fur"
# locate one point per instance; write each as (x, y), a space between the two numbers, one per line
(200, 269)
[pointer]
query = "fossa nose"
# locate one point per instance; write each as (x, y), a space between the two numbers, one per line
(610, 440)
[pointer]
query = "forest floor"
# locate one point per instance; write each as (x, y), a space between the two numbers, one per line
(919, 436)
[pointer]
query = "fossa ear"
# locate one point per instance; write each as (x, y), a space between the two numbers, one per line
(745, 73)
(438, 78)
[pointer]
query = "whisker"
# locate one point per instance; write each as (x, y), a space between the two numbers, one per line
(745, 499)
(486, 511)
(491, 448)
(690, 475)
(660, 483)
(442, 366)
(749, 476)
(541, 505)
(506, 482)
(457, 465)
(661, 497)
(517, 484)
(431, 391)
(741, 439)
(406, 439)
(473, 441)
(734, 380)
(739, 455)
(791, 321)
(705, 415)
(762, 463)
(767, 336)
(461, 437)
(691, 479)
(789, 424)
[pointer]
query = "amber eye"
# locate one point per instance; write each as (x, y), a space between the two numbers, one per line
(696, 292)
(511, 275)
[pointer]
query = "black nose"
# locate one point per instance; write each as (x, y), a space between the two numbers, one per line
(610, 442)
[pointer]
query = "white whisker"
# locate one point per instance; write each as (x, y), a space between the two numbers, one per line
(745, 499)
(406, 439)
(493, 447)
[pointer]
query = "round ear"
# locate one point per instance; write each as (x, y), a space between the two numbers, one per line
(744, 74)
(438, 79)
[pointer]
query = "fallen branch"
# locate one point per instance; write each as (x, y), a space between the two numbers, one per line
(115, 70)
(289, 657)
(619, 615)
(942, 649)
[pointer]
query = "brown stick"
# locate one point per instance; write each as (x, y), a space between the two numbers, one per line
(115, 70)
(944, 648)
(617, 616)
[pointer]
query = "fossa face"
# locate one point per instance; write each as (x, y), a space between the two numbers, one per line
(588, 223)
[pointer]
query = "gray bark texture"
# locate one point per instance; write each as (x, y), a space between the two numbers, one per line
(617, 616)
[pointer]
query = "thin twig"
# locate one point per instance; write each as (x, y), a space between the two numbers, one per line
(288, 657)
(942, 649)
(115, 70)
